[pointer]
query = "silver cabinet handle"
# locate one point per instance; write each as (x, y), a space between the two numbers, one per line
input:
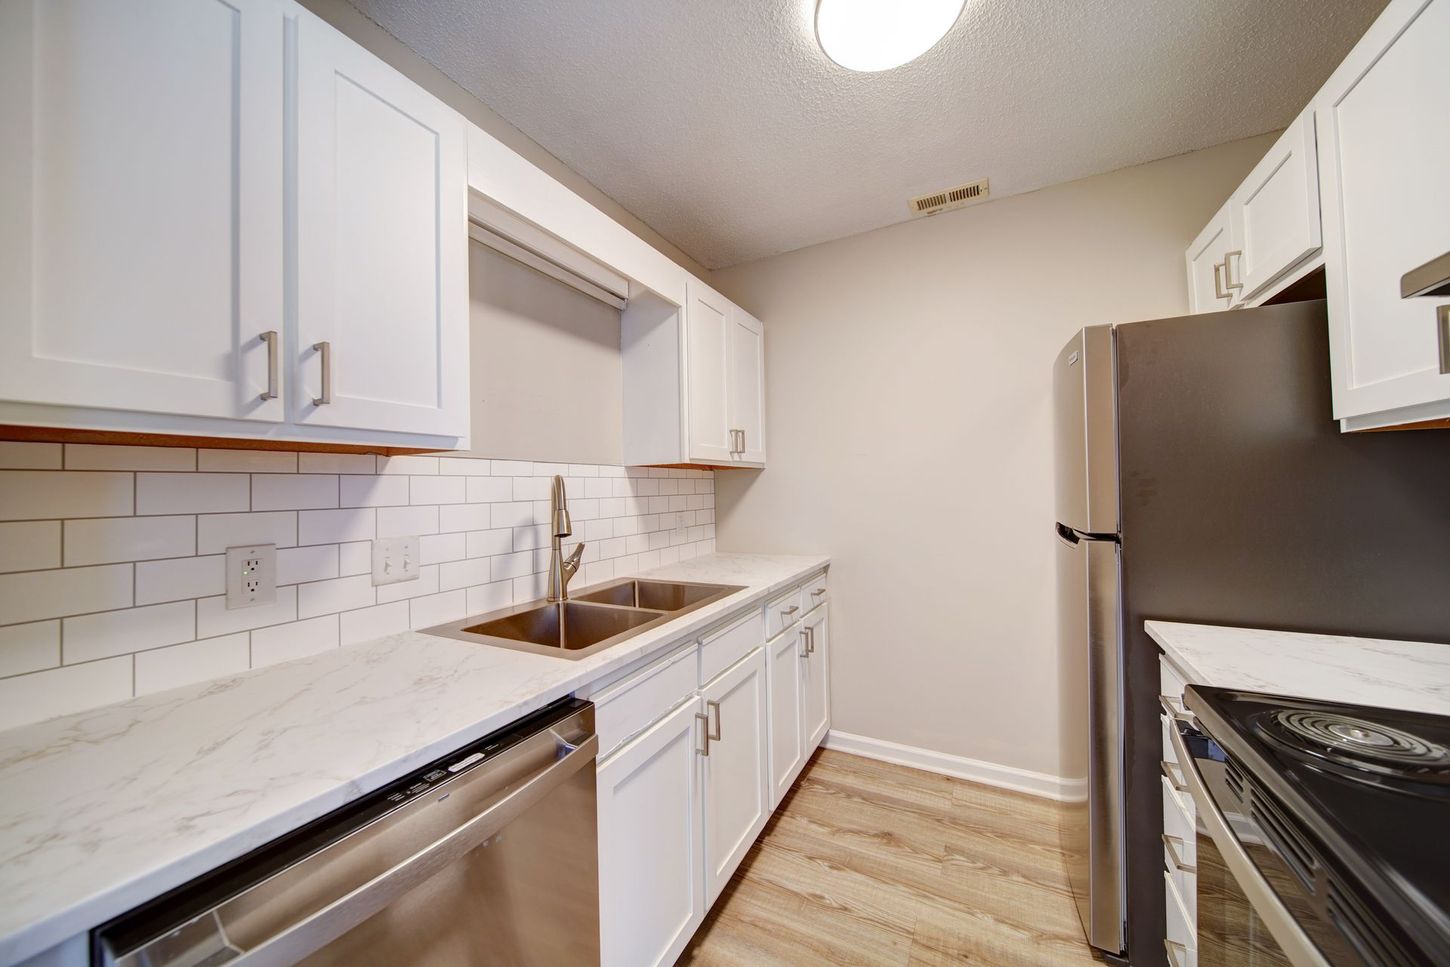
(325, 348)
(1177, 953)
(1218, 282)
(802, 633)
(786, 613)
(1175, 780)
(1174, 710)
(704, 721)
(817, 592)
(742, 442)
(1432, 279)
(1442, 326)
(810, 640)
(1228, 276)
(270, 338)
(1174, 845)
(713, 707)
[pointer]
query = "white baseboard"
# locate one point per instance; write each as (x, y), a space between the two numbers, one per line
(958, 767)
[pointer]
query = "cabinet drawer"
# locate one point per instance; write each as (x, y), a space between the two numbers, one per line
(782, 611)
(814, 592)
(723, 648)
(1180, 937)
(627, 708)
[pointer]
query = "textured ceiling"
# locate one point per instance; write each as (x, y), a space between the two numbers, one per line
(722, 125)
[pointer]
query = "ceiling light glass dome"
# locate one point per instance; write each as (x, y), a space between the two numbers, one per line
(877, 35)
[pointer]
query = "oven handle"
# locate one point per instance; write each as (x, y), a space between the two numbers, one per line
(1296, 944)
(313, 932)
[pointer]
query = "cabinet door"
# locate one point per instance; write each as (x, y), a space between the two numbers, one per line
(382, 238)
(707, 352)
(1205, 257)
(1276, 213)
(816, 679)
(787, 747)
(1384, 144)
(736, 787)
(747, 384)
(651, 879)
(141, 204)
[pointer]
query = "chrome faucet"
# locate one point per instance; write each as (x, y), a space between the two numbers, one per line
(561, 569)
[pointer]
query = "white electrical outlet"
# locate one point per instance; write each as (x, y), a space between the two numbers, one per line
(395, 559)
(251, 575)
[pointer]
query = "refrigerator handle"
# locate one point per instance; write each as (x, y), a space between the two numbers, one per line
(1067, 535)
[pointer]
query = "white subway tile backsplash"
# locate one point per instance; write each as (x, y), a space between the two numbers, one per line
(183, 577)
(436, 490)
(107, 540)
(112, 633)
(315, 563)
(407, 521)
(217, 532)
(298, 491)
(213, 618)
(33, 595)
(29, 647)
(339, 594)
(60, 691)
(367, 624)
(296, 640)
(88, 456)
(194, 661)
(337, 463)
(44, 494)
(483, 547)
(336, 526)
(372, 491)
(30, 456)
(29, 545)
(247, 461)
(435, 609)
(192, 493)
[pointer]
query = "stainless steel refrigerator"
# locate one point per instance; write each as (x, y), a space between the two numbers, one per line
(1200, 477)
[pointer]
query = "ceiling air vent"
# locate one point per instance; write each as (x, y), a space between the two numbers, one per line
(949, 198)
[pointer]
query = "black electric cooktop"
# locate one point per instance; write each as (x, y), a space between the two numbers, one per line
(1367, 788)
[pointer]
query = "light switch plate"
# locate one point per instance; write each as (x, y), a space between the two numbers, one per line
(251, 575)
(395, 559)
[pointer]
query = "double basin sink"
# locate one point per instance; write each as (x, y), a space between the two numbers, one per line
(590, 621)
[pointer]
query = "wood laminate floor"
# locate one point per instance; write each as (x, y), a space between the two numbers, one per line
(871, 863)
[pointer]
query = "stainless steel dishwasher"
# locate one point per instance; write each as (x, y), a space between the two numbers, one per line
(486, 856)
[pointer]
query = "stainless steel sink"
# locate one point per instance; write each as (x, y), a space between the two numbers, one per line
(594, 619)
(654, 595)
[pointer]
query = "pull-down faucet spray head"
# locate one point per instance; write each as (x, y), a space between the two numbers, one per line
(559, 510)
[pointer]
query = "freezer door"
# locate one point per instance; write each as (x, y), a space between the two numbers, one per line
(1087, 443)
(1091, 739)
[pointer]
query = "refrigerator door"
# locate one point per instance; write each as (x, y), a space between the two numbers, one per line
(1088, 635)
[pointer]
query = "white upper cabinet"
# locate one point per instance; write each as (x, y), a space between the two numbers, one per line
(1385, 151)
(141, 205)
(1206, 257)
(382, 240)
(707, 354)
(747, 386)
(1275, 214)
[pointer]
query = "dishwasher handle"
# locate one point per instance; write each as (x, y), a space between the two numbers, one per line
(325, 925)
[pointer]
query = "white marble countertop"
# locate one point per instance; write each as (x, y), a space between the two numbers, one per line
(1410, 675)
(106, 809)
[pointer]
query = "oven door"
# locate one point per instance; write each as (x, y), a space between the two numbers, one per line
(1253, 908)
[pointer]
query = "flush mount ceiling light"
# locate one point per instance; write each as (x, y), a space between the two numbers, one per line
(877, 35)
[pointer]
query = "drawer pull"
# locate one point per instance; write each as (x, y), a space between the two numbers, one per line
(1174, 710)
(787, 612)
(1173, 774)
(817, 592)
(1174, 845)
(1177, 953)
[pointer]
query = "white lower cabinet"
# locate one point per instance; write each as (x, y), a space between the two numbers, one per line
(651, 848)
(816, 678)
(736, 791)
(787, 744)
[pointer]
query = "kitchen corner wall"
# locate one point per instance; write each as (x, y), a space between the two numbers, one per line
(111, 557)
(909, 405)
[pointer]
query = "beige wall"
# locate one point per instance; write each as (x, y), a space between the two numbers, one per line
(908, 378)
(547, 379)
(355, 24)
